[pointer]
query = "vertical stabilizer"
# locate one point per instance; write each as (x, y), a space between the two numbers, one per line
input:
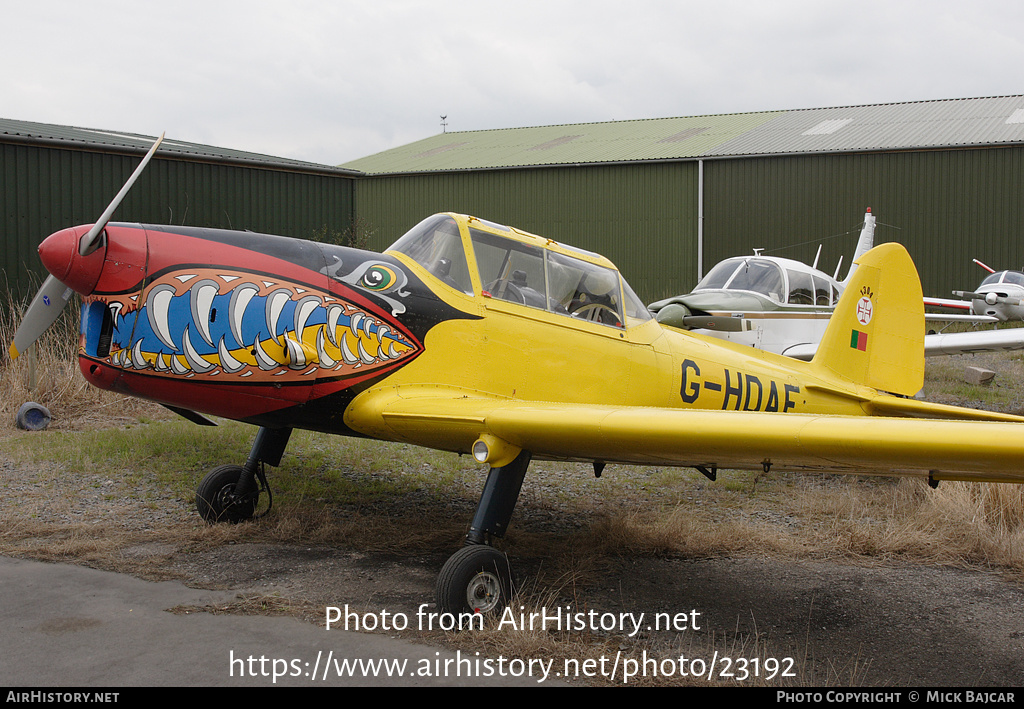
(864, 244)
(876, 334)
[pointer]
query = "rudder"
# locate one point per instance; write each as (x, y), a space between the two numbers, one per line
(876, 334)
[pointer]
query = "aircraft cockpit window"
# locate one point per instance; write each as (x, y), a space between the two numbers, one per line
(634, 307)
(436, 245)
(749, 274)
(760, 277)
(529, 275)
(993, 278)
(1015, 277)
(718, 276)
(822, 296)
(509, 270)
(584, 290)
(801, 288)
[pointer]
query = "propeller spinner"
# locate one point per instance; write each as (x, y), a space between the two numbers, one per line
(56, 290)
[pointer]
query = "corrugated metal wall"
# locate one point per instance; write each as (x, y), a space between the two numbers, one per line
(43, 190)
(643, 217)
(946, 206)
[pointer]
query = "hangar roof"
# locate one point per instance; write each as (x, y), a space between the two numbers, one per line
(12, 131)
(950, 123)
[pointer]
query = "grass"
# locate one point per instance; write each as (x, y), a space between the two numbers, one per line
(48, 374)
(69, 483)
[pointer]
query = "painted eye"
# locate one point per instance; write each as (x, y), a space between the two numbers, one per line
(378, 278)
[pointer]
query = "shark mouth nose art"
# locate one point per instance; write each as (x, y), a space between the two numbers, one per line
(207, 322)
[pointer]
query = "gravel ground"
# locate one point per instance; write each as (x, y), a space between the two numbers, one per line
(884, 624)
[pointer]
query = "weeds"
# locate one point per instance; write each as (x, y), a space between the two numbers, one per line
(48, 374)
(69, 484)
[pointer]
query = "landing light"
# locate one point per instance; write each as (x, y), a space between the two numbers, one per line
(494, 451)
(481, 452)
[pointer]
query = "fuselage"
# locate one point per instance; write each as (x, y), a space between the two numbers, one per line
(1002, 294)
(284, 332)
(769, 303)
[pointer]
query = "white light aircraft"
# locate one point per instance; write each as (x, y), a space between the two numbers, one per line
(1000, 296)
(783, 306)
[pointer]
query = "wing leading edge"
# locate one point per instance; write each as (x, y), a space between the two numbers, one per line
(942, 449)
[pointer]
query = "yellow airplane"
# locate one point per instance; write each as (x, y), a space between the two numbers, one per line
(474, 337)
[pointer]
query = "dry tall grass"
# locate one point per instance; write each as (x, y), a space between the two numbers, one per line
(959, 523)
(58, 384)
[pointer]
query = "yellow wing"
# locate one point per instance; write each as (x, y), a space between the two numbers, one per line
(453, 420)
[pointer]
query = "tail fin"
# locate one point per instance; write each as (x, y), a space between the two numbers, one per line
(864, 243)
(876, 334)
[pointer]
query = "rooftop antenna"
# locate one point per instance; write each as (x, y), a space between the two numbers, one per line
(444, 124)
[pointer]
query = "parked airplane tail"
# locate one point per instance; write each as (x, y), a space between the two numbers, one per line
(876, 334)
(864, 244)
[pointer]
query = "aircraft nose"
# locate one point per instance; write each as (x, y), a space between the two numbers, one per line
(59, 254)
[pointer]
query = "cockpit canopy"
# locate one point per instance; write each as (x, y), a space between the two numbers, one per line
(772, 278)
(520, 268)
(1014, 277)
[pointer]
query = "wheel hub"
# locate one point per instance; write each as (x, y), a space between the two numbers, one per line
(483, 592)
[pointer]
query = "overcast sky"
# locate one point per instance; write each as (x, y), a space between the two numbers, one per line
(331, 81)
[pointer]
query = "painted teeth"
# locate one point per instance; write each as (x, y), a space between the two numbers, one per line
(265, 361)
(194, 359)
(346, 350)
(177, 367)
(275, 304)
(353, 323)
(227, 362)
(202, 295)
(333, 315)
(344, 335)
(240, 298)
(138, 361)
(382, 331)
(325, 360)
(366, 357)
(303, 310)
(158, 304)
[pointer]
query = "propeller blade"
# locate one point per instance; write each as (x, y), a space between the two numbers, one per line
(990, 297)
(968, 295)
(44, 309)
(710, 322)
(91, 240)
(48, 303)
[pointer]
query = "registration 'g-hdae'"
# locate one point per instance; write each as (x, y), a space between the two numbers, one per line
(478, 338)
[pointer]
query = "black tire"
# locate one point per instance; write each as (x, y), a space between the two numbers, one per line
(215, 498)
(475, 579)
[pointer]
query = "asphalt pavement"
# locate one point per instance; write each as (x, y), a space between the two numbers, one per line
(63, 625)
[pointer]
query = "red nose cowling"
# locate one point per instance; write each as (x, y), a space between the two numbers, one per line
(59, 253)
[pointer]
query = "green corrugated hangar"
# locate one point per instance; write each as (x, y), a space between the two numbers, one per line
(666, 199)
(52, 177)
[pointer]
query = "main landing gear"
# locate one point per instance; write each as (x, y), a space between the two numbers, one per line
(479, 578)
(231, 493)
(476, 579)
